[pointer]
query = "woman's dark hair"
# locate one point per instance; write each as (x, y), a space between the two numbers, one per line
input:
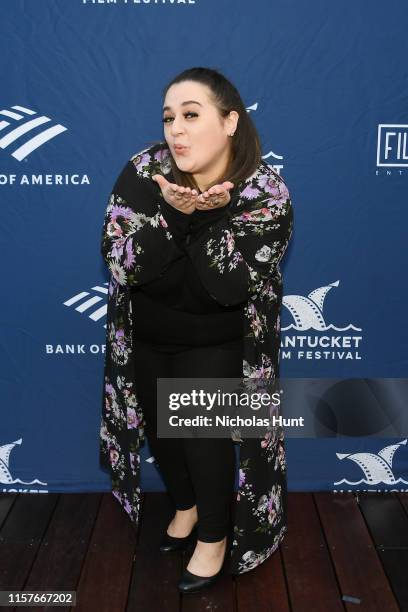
(245, 143)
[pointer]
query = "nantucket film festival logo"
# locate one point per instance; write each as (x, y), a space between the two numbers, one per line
(324, 340)
(392, 147)
(375, 469)
(9, 483)
(23, 132)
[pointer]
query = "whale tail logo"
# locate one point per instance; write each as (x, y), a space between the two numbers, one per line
(307, 312)
(5, 450)
(376, 467)
(5, 475)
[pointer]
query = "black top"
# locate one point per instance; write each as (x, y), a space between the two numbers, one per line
(176, 308)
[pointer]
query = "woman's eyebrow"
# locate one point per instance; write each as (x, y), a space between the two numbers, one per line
(183, 104)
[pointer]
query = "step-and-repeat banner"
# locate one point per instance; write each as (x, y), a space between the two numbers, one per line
(81, 91)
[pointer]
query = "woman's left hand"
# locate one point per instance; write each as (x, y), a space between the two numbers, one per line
(216, 196)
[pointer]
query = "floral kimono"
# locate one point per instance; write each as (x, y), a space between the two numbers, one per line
(237, 260)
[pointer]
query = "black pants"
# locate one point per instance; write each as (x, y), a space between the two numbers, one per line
(198, 470)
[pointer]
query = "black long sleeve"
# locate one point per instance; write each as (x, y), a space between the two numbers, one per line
(177, 220)
(196, 224)
(136, 244)
(202, 220)
(180, 286)
(234, 261)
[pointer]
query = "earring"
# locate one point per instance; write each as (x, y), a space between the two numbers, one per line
(232, 133)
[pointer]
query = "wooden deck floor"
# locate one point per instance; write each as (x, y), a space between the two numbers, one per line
(340, 553)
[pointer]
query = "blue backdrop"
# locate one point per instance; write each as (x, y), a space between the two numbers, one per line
(81, 83)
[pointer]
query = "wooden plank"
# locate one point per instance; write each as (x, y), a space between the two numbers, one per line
(155, 574)
(358, 567)
(6, 503)
(57, 566)
(403, 499)
(21, 535)
(395, 564)
(106, 571)
(309, 573)
(327, 551)
(386, 518)
(263, 589)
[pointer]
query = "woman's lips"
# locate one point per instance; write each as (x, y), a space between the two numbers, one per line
(180, 149)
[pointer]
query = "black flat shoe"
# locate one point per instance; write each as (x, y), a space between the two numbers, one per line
(169, 543)
(191, 583)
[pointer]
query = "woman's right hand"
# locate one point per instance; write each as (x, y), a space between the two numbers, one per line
(182, 198)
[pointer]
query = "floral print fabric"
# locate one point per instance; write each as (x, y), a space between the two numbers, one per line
(237, 260)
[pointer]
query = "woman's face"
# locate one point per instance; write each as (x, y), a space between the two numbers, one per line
(191, 119)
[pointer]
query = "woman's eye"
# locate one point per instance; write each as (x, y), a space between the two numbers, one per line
(164, 120)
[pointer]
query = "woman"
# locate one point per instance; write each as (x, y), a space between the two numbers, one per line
(193, 235)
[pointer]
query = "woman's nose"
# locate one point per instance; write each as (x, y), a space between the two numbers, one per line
(176, 126)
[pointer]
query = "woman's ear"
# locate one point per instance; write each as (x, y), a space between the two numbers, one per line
(232, 120)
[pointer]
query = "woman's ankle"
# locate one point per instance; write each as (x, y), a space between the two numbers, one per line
(188, 516)
(211, 546)
(207, 559)
(182, 522)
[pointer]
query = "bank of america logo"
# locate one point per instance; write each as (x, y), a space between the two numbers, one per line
(93, 302)
(10, 131)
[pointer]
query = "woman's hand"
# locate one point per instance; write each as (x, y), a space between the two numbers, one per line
(187, 200)
(216, 196)
(182, 198)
